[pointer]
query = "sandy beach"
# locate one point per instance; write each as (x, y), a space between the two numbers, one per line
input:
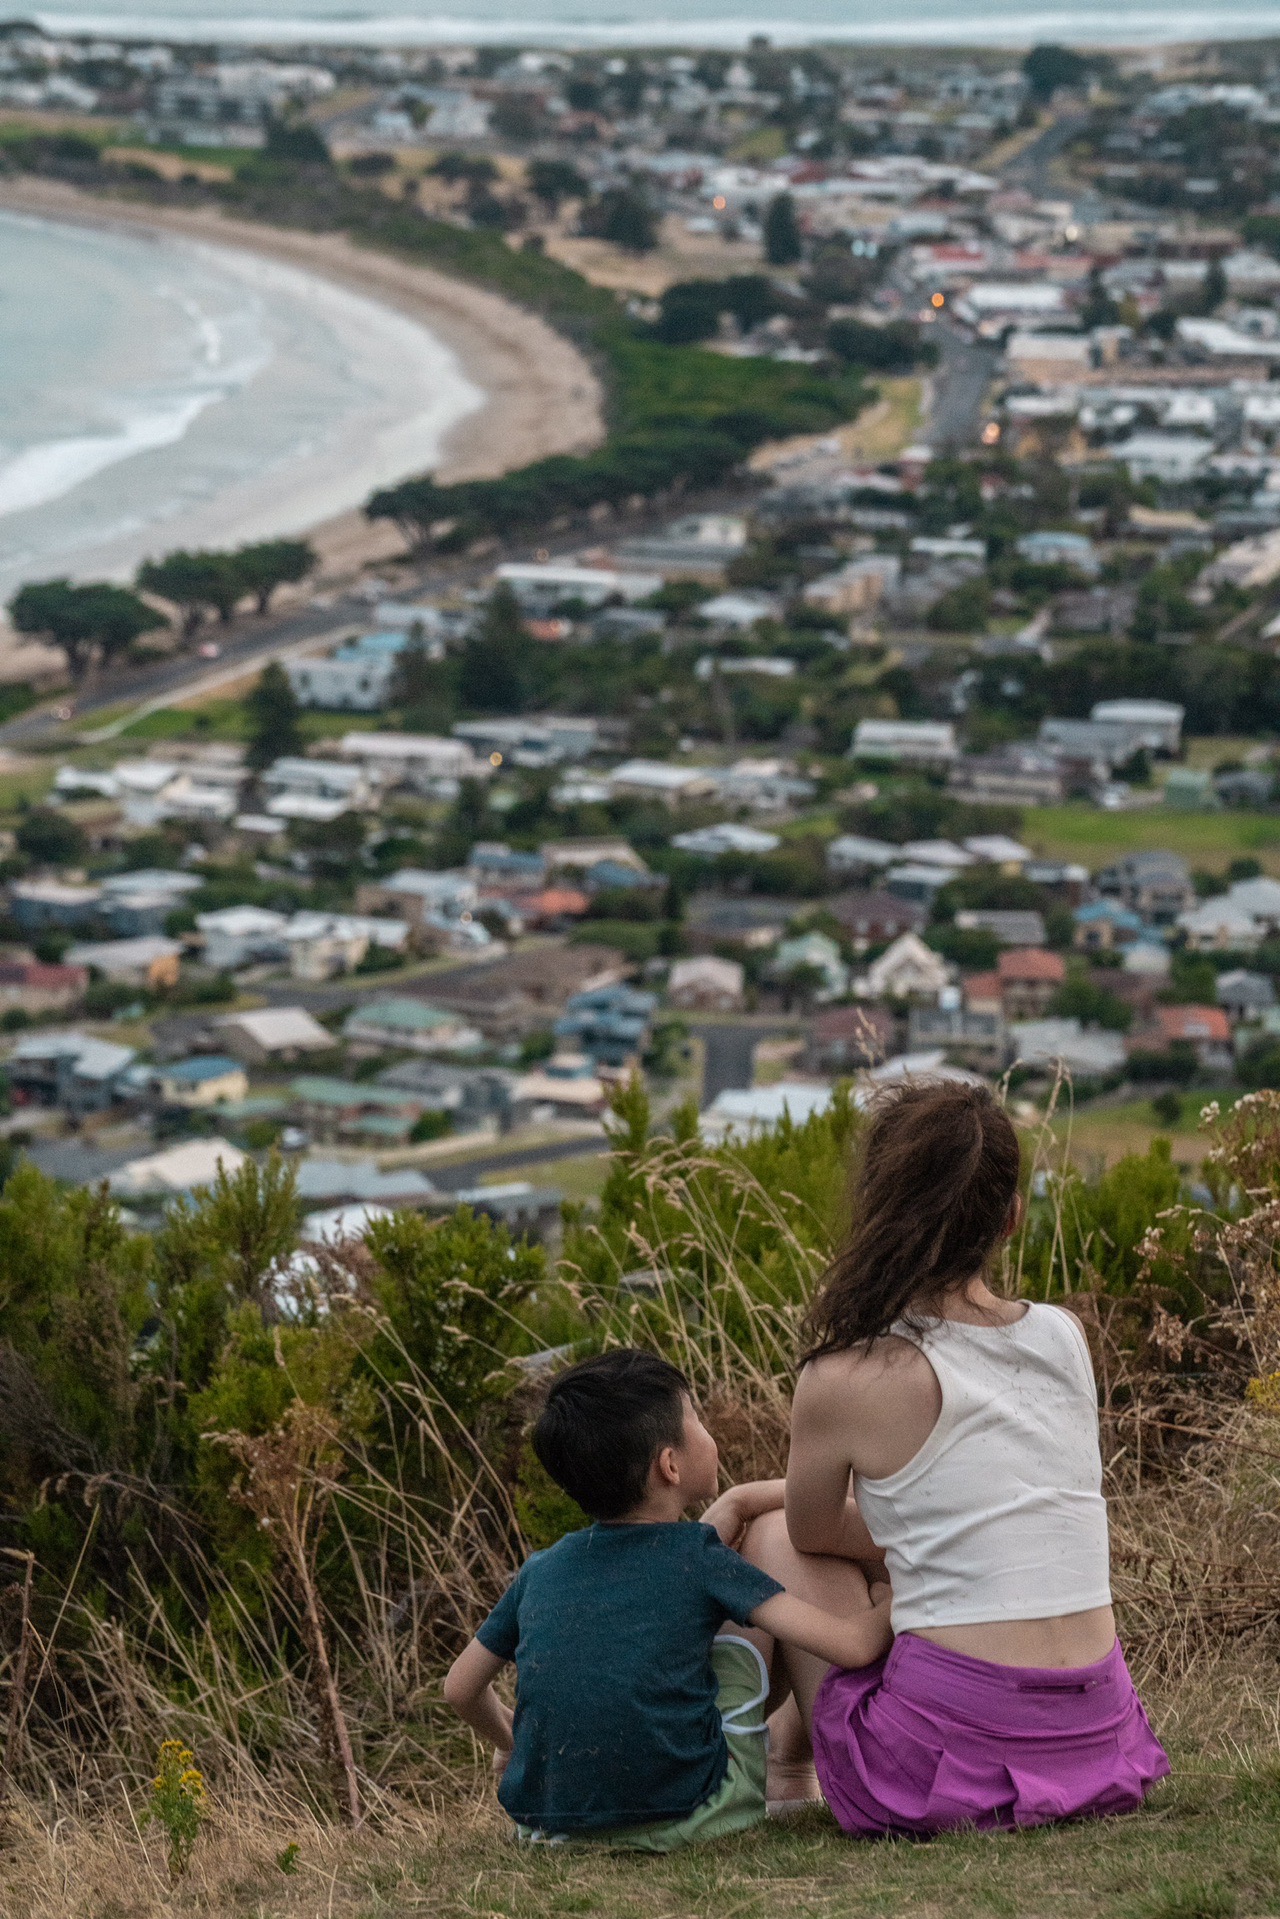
(536, 395)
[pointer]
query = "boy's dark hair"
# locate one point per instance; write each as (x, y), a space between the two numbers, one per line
(605, 1422)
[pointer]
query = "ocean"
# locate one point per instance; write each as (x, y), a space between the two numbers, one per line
(725, 23)
(156, 391)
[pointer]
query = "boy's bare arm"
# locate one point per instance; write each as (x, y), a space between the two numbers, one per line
(858, 1641)
(468, 1688)
(734, 1511)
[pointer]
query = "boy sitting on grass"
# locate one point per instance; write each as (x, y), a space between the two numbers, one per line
(638, 1722)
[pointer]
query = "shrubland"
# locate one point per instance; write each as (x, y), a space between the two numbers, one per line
(254, 1500)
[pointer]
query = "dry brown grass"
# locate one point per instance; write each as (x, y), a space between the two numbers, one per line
(1193, 1470)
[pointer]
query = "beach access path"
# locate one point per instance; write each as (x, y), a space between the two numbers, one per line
(541, 396)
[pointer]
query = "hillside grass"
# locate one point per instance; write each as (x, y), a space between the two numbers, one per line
(1211, 840)
(1206, 1846)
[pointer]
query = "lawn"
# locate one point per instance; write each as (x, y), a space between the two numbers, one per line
(1207, 1846)
(1100, 1135)
(1210, 840)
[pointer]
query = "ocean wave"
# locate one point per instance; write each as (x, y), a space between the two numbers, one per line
(703, 23)
(47, 471)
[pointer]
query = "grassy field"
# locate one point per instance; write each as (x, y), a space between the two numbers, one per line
(1209, 840)
(1100, 1135)
(1207, 1846)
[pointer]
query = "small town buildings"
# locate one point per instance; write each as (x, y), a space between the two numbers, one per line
(69, 1070)
(925, 743)
(874, 918)
(403, 1021)
(657, 780)
(609, 1023)
(238, 936)
(706, 984)
(181, 1169)
(846, 1039)
(1206, 1029)
(908, 969)
(333, 1108)
(566, 1087)
(32, 987)
(533, 743)
(1064, 1045)
(1156, 885)
(523, 991)
(428, 902)
(424, 762)
(1245, 996)
(751, 923)
(852, 856)
(1016, 775)
(815, 956)
(1220, 926)
(1101, 925)
(710, 842)
(283, 1033)
(38, 906)
(973, 1035)
(152, 963)
(745, 1113)
(1029, 977)
(206, 1079)
(1010, 926)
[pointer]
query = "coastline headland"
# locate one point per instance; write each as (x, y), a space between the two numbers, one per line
(540, 395)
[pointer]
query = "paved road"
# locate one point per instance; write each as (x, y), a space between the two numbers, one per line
(965, 371)
(1033, 168)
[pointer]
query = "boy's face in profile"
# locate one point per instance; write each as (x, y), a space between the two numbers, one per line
(697, 1459)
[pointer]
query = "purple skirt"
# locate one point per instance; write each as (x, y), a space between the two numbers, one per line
(929, 1739)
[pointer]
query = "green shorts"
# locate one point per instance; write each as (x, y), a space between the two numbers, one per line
(739, 1800)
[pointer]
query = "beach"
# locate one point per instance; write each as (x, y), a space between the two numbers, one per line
(463, 383)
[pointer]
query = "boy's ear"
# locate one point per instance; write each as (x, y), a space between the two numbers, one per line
(666, 1467)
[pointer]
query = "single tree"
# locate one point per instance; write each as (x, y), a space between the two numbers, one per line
(416, 680)
(491, 677)
(781, 232)
(552, 181)
(50, 838)
(296, 144)
(83, 619)
(624, 217)
(274, 732)
(272, 563)
(196, 583)
(1049, 67)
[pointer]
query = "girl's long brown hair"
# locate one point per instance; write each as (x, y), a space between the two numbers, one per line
(932, 1193)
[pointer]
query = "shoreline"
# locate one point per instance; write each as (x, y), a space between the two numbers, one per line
(540, 395)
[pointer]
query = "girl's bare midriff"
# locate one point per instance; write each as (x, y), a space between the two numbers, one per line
(1075, 1639)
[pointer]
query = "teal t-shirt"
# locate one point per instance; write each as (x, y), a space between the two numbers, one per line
(611, 1632)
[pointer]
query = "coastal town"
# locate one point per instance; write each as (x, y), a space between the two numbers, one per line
(639, 965)
(938, 737)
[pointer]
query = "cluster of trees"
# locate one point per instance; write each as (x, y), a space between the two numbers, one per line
(100, 621)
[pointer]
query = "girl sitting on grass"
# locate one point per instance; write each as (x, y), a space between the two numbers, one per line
(966, 1426)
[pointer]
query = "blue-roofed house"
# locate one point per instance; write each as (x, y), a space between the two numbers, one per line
(1102, 925)
(610, 1024)
(209, 1079)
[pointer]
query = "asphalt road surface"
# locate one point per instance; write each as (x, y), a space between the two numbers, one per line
(965, 371)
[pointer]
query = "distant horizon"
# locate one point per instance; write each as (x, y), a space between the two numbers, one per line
(700, 23)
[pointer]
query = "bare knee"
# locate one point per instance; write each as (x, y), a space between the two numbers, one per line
(767, 1544)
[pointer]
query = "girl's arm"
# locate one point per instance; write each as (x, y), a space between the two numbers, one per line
(468, 1688)
(822, 1516)
(858, 1641)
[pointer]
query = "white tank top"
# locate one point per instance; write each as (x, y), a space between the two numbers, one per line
(1000, 1514)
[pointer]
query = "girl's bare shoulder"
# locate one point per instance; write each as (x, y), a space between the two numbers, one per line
(887, 1363)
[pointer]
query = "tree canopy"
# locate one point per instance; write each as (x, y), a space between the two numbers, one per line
(273, 718)
(83, 619)
(782, 246)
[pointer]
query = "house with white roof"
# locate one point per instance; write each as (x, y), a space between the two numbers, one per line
(658, 780)
(908, 969)
(747, 1111)
(236, 936)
